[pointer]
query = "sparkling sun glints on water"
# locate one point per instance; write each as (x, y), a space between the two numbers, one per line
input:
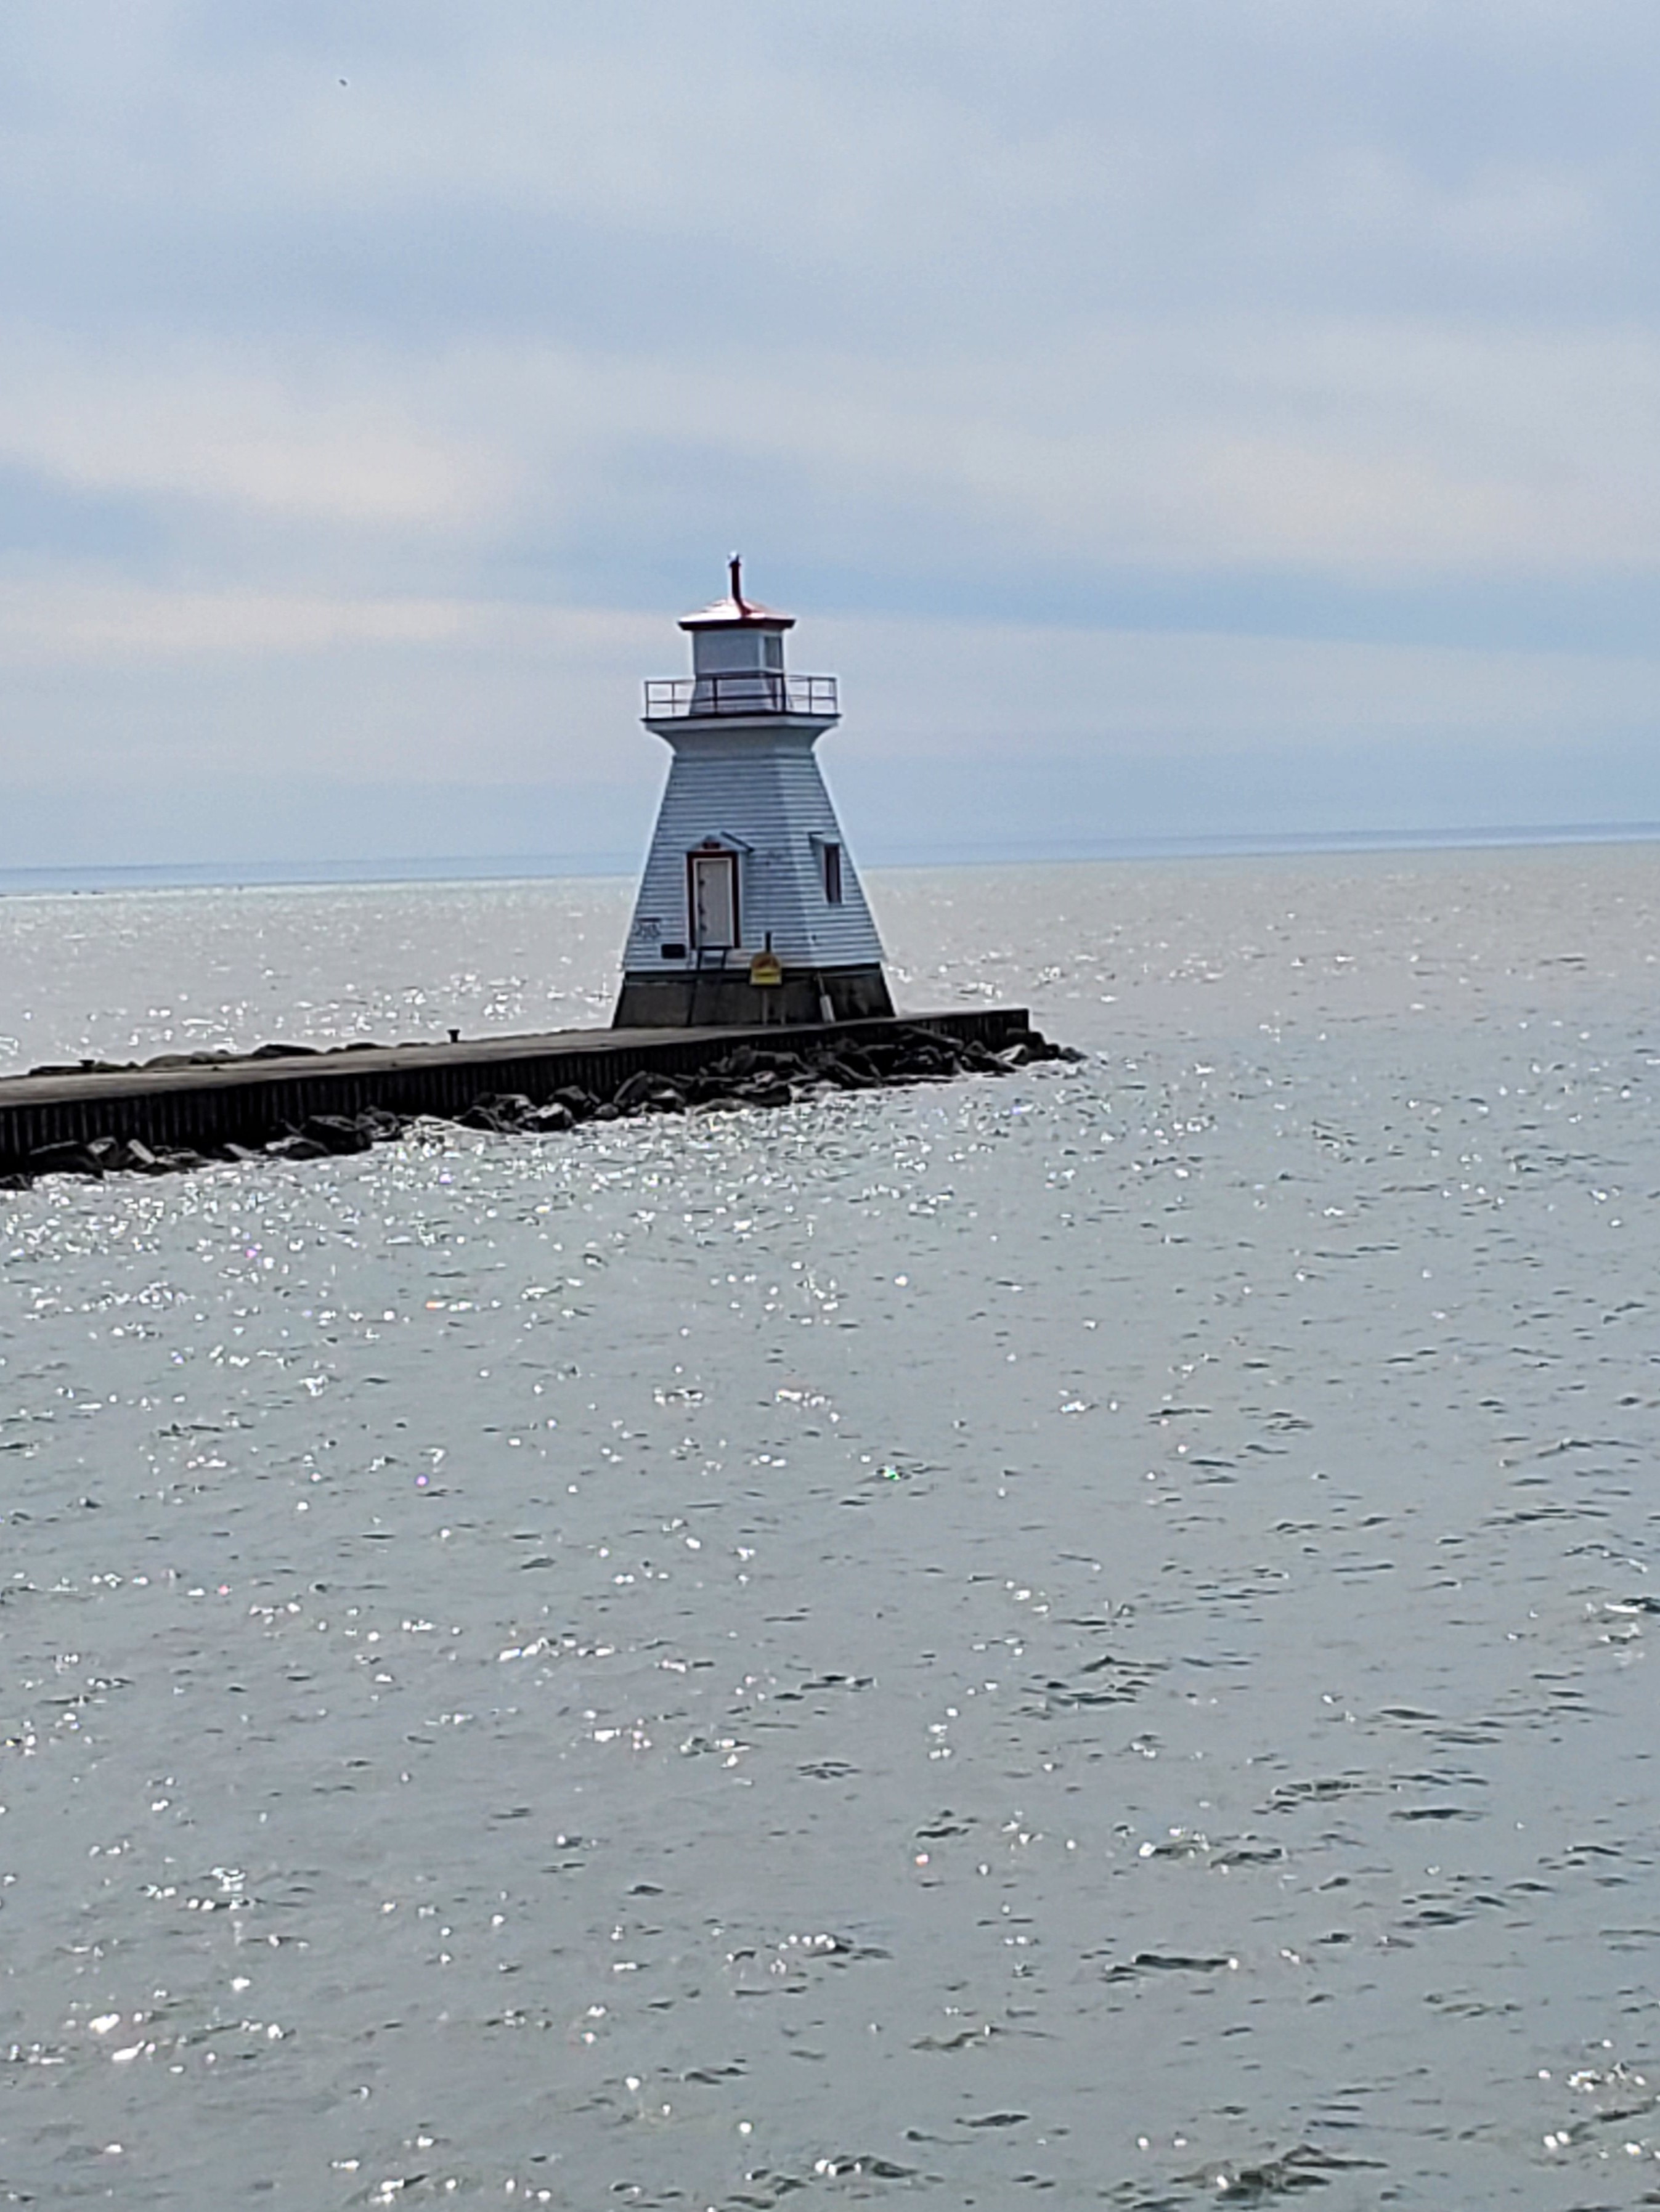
(1082, 1636)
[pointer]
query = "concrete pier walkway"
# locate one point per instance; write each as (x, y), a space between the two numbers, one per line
(206, 1102)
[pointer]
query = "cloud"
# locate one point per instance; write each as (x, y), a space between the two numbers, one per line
(942, 691)
(1382, 449)
(428, 689)
(302, 442)
(75, 623)
(369, 422)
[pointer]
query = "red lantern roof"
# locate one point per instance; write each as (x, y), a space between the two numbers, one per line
(735, 608)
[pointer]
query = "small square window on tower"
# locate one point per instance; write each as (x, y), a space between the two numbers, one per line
(832, 856)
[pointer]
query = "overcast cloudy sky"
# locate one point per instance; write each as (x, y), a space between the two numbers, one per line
(1168, 416)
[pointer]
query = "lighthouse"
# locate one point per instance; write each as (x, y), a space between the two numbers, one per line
(750, 909)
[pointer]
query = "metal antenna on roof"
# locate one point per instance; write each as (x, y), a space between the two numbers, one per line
(735, 572)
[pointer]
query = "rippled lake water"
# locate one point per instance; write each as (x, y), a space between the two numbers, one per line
(1080, 1639)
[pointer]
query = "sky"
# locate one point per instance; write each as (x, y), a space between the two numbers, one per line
(1222, 419)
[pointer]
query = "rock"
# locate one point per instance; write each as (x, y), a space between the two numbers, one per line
(1038, 1047)
(635, 1089)
(979, 1060)
(110, 1153)
(140, 1158)
(504, 1112)
(763, 1090)
(848, 1072)
(84, 1067)
(928, 1060)
(757, 1059)
(283, 1051)
(15, 1179)
(336, 1133)
(294, 1146)
(579, 1103)
(179, 1159)
(243, 1153)
(650, 1091)
(704, 1087)
(548, 1120)
(72, 1157)
(662, 1098)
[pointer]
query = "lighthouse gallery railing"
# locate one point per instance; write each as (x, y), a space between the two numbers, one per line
(743, 691)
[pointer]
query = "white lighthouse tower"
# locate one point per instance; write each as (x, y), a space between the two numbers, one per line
(750, 909)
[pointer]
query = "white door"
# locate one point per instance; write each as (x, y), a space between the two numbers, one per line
(714, 898)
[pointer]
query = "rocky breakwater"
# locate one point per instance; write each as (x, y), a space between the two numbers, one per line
(747, 1075)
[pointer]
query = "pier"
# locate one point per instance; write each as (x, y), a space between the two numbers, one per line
(167, 1113)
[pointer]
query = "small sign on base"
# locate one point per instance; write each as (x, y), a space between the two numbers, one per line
(767, 974)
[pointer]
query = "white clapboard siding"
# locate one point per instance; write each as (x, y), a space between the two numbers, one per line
(759, 792)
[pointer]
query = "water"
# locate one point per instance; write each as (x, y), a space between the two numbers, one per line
(1083, 1637)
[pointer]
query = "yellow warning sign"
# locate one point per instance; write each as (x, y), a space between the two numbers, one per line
(765, 969)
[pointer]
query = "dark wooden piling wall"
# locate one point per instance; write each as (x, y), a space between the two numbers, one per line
(244, 1101)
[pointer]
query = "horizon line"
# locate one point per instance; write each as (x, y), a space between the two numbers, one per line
(530, 867)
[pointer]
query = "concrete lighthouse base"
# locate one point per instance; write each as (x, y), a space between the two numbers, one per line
(721, 997)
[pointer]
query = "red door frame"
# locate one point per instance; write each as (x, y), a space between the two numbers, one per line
(711, 852)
